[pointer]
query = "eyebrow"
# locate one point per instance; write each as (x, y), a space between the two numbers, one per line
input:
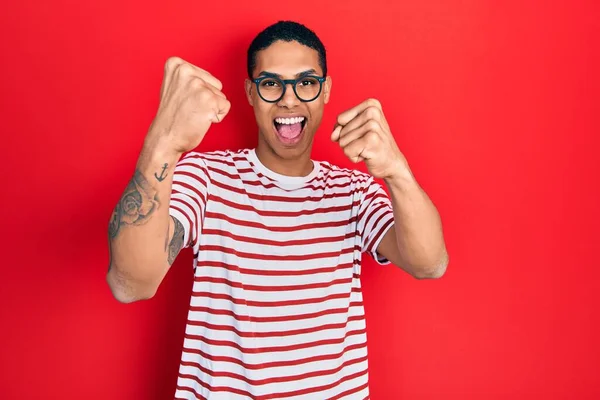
(300, 74)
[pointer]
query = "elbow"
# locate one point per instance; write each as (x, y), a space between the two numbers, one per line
(125, 291)
(434, 270)
(432, 273)
(125, 297)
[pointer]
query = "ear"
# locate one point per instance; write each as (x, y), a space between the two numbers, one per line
(249, 87)
(327, 89)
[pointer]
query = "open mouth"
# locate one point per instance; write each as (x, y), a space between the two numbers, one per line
(290, 130)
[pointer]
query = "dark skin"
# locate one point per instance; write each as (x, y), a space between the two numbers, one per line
(137, 203)
(288, 60)
(416, 241)
(144, 240)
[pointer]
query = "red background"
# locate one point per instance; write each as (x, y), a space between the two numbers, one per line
(495, 104)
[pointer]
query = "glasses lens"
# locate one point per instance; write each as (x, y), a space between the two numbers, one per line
(270, 89)
(308, 88)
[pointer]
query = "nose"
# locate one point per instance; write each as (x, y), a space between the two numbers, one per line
(289, 98)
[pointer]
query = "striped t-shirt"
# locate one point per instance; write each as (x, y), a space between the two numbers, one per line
(276, 310)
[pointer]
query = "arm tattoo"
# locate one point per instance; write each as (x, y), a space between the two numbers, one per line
(162, 173)
(137, 204)
(177, 242)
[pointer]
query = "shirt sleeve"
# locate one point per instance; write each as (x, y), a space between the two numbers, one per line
(191, 185)
(375, 217)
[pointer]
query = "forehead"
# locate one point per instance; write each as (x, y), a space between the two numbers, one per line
(287, 59)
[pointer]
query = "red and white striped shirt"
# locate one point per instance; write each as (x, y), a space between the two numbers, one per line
(276, 310)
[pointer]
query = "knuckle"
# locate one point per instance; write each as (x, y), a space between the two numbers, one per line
(371, 138)
(172, 62)
(185, 69)
(205, 94)
(197, 83)
(372, 112)
(372, 125)
(374, 103)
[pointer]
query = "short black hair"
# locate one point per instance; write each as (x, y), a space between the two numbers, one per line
(287, 31)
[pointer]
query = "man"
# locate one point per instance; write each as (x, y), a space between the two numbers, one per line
(276, 310)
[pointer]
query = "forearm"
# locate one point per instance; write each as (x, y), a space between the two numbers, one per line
(139, 227)
(418, 226)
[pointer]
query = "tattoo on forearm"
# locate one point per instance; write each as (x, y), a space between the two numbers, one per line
(137, 204)
(177, 242)
(162, 173)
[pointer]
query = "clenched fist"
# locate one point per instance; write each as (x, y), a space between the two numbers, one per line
(364, 135)
(190, 101)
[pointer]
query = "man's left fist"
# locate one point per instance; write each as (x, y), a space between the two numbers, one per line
(363, 134)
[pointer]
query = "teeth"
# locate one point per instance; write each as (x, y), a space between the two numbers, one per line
(289, 121)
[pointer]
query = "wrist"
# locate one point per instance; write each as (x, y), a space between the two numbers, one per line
(158, 143)
(157, 154)
(401, 179)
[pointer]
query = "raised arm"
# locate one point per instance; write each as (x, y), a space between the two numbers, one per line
(143, 239)
(416, 244)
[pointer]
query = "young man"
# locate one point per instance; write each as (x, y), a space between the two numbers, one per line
(276, 310)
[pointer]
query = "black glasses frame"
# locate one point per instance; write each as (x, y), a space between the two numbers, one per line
(285, 82)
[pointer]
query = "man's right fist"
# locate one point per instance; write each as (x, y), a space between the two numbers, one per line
(190, 101)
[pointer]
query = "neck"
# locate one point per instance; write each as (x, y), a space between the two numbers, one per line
(298, 165)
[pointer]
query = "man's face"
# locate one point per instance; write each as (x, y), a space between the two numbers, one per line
(288, 126)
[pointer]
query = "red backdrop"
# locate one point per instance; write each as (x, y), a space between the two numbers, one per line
(495, 105)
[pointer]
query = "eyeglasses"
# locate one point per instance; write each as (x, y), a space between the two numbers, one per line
(272, 89)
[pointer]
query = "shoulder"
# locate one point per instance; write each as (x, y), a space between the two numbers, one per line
(217, 158)
(351, 176)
